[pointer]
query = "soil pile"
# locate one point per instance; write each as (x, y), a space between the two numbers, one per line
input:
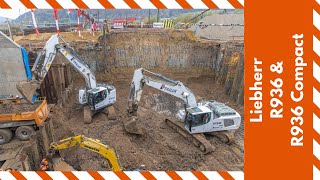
(10, 108)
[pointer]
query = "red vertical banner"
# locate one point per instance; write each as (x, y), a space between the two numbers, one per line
(55, 12)
(34, 21)
(278, 89)
(78, 17)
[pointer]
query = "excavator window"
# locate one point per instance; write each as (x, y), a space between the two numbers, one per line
(199, 119)
(206, 118)
(98, 97)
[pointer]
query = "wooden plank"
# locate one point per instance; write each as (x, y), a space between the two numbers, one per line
(10, 154)
(63, 79)
(66, 75)
(69, 76)
(55, 84)
(49, 87)
(57, 80)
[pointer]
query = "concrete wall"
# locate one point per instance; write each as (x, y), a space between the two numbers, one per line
(12, 68)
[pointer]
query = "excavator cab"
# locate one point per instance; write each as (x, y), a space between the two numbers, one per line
(97, 97)
(196, 118)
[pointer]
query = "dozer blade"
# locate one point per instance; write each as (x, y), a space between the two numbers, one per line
(198, 140)
(131, 126)
(27, 89)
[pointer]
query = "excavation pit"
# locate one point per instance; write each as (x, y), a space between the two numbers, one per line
(213, 70)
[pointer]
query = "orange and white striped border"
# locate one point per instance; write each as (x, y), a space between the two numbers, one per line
(316, 93)
(122, 175)
(121, 4)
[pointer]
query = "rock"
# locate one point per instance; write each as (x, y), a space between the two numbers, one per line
(86, 132)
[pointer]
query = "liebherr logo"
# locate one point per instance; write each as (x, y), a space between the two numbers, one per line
(168, 89)
(75, 63)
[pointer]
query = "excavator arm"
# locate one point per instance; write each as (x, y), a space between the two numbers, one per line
(43, 64)
(90, 144)
(144, 77)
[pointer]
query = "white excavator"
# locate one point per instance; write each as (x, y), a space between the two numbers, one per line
(195, 120)
(95, 96)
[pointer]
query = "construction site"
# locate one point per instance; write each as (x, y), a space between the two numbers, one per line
(84, 109)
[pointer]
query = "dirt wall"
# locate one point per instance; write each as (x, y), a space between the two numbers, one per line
(176, 50)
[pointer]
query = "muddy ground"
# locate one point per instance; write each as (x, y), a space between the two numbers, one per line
(160, 148)
(211, 70)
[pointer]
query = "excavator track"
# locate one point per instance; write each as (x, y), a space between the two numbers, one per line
(110, 112)
(198, 140)
(226, 137)
(87, 115)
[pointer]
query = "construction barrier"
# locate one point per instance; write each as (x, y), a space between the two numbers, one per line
(168, 23)
(118, 26)
(158, 25)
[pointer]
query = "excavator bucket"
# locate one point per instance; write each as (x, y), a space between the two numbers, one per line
(54, 162)
(60, 165)
(131, 126)
(27, 89)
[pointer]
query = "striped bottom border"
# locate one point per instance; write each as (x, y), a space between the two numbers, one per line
(123, 175)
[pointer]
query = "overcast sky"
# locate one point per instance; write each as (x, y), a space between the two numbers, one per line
(12, 13)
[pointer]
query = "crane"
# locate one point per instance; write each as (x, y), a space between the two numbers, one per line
(195, 119)
(95, 96)
(54, 160)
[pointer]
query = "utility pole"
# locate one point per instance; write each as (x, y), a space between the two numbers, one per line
(126, 19)
(69, 20)
(9, 29)
(98, 14)
(149, 19)
(158, 15)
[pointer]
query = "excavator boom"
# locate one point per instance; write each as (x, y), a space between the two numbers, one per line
(43, 64)
(143, 77)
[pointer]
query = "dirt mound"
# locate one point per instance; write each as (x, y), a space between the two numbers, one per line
(67, 36)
